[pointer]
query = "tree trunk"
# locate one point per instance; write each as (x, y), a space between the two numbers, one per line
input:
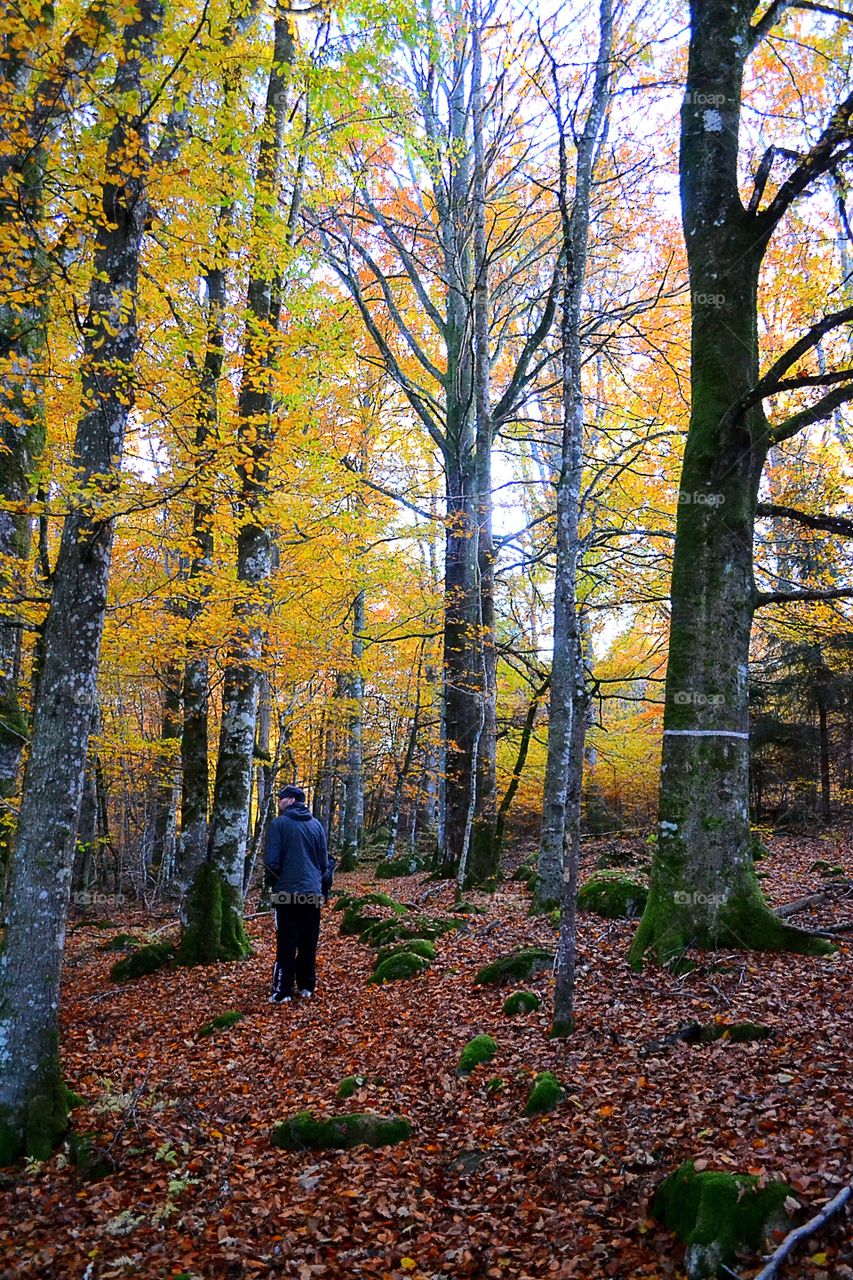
(214, 914)
(520, 760)
(352, 821)
(566, 958)
(566, 675)
(703, 886)
(168, 779)
(33, 1098)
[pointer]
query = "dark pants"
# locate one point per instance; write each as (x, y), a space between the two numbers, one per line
(297, 927)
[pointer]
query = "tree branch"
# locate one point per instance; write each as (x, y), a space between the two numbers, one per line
(832, 524)
(763, 598)
(823, 408)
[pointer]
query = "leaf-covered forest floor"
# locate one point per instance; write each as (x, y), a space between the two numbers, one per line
(197, 1189)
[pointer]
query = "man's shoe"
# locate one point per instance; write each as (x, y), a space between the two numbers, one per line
(305, 993)
(279, 997)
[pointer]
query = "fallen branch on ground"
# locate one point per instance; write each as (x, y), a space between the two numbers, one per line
(804, 1232)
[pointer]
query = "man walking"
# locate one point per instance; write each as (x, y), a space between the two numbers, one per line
(299, 871)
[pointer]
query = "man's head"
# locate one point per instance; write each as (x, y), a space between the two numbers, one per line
(291, 794)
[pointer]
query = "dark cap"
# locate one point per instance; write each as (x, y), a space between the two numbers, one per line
(292, 792)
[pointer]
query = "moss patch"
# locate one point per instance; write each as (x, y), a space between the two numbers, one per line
(143, 961)
(545, 1095)
(716, 1214)
(355, 920)
(42, 1121)
(393, 868)
(416, 946)
(481, 1049)
(215, 930)
(405, 964)
(218, 1023)
(350, 1085)
(518, 966)
(615, 896)
(381, 900)
(121, 942)
(521, 1002)
(306, 1132)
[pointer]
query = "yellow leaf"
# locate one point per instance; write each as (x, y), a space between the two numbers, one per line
(408, 1264)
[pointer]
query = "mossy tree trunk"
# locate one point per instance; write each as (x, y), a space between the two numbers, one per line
(32, 1096)
(214, 927)
(703, 887)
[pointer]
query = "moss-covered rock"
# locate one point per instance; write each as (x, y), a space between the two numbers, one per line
(465, 908)
(717, 1214)
(121, 942)
(220, 1022)
(524, 870)
(350, 1085)
(381, 900)
(143, 961)
(90, 1159)
(405, 964)
(545, 1095)
(394, 868)
(341, 900)
(518, 966)
(481, 1049)
(615, 896)
(417, 946)
(521, 1002)
(355, 920)
(307, 1132)
(382, 933)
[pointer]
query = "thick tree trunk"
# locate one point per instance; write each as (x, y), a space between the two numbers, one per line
(703, 887)
(33, 1099)
(352, 820)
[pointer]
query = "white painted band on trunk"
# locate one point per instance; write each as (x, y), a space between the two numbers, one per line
(706, 733)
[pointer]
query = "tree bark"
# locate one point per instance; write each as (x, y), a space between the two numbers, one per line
(352, 820)
(214, 914)
(567, 676)
(703, 886)
(33, 1098)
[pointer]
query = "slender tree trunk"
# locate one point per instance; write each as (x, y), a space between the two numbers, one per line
(566, 959)
(352, 821)
(214, 912)
(565, 674)
(823, 735)
(403, 772)
(168, 778)
(33, 1099)
(703, 886)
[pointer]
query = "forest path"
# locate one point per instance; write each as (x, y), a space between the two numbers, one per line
(479, 1190)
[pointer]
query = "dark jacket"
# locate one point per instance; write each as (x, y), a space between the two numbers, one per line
(295, 856)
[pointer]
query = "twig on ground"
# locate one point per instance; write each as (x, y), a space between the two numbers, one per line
(804, 1232)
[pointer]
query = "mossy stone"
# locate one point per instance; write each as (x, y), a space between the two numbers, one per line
(416, 946)
(121, 942)
(405, 964)
(481, 1048)
(523, 871)
(349, 1085)
(545, 1095)
(381, 933)
(716, 1214)
(612, 895)
(394, 868)
(143, 961)
(381, 900)
(219, 1023)
(307, 1132)
(521, 1002)
(518, 966)
(354, 921)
